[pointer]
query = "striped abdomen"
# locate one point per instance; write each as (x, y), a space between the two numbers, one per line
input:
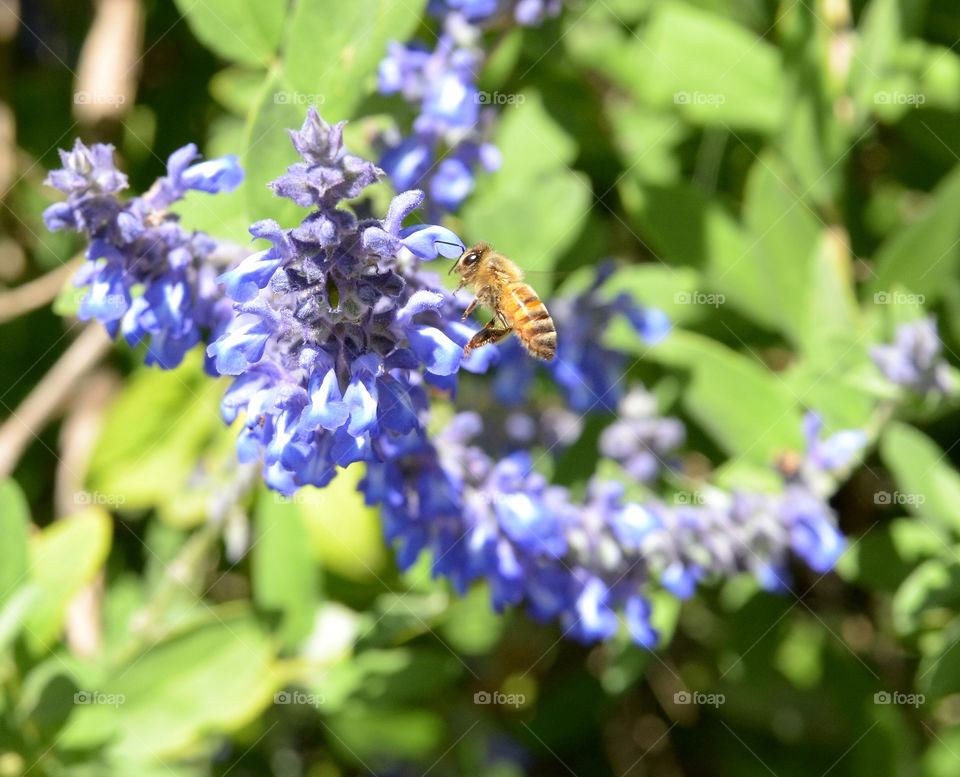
(528, 317)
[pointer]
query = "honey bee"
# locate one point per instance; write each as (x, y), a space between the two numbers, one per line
(498, 284)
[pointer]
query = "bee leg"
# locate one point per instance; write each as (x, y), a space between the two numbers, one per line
(470, 308)
(489, 334)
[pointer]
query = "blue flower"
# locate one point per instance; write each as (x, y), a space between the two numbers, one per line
(913, 360)
(148, 278)
(337, 333)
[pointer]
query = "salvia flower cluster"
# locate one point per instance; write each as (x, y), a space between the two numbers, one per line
(337, 332)
(148, 277)
(588, 563)
(449, 137)
(335, 335)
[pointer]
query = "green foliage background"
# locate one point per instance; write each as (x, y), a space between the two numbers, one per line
(783, 157)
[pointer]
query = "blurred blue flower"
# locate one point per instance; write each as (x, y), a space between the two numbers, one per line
(148, 277)
(913, 360)
(640, 439)
(586, 564)
(591, 376)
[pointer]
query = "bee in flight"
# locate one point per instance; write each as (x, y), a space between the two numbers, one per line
(499, 285)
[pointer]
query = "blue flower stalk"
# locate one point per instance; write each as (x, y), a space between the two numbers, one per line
(591, 564)
(148, 277)
(338, 332)
(449, 138)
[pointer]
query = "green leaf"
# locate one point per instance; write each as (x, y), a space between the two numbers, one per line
(63, 559)
(284, 575)
(153, 434)
(395, 733)
(743, 406)
(246, 31)
(710, 69)
(926, 483)
(14, 613)
(920, 255)
(269, 152)
(333, 49)
(927, 598)
(14, 525)
(784, 238)
(880, 33)
(211, 679)
(353, 549)
(535, 189)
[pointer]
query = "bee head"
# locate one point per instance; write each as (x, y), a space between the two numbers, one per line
(466, 265)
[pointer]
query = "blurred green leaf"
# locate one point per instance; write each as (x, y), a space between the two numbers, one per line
(64, 557)
(535, 188)
(927, 597)
(210, 679)
(921, 254)
(743, 406)
(269, 152)
(784, 238)
(246, 31)
(14, 611)
(710, 69)
(284, 575)
(927, 485)
(391, 734)
(153, 435)
(14, 525)
(333, 49)
(354, 548)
